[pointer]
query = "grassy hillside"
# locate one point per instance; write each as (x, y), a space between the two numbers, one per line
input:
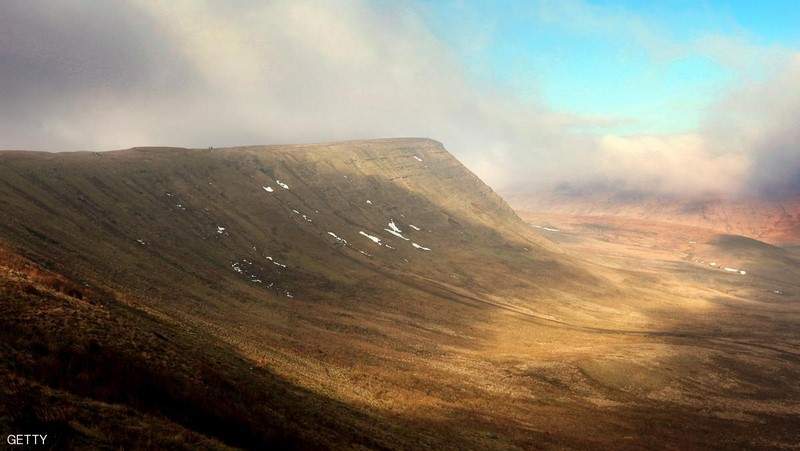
(180, 260)
(364, 295)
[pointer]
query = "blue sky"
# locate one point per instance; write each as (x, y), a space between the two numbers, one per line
(642, 65)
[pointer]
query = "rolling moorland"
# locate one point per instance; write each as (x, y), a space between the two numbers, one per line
(774, 219)
(373, 295)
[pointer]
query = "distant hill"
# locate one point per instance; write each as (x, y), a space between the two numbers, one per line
(774, 221)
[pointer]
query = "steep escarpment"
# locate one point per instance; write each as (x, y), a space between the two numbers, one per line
(277, 217)
(302, 279)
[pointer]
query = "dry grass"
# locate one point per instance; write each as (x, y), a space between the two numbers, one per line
(496, 339)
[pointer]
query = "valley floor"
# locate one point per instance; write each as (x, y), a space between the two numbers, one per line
(687, 356)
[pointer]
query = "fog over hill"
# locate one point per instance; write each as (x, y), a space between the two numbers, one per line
(78, 76)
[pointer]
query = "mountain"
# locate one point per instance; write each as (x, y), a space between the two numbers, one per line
(186, 272)
(773, 220)
(359, 295)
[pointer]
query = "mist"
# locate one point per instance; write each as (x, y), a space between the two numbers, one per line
(78, 75)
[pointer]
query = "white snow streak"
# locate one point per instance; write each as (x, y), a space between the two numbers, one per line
(396, 234)
(374, 239)
(338, 238)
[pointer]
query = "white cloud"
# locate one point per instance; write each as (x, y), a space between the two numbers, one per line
(200, 73)
(681, 164)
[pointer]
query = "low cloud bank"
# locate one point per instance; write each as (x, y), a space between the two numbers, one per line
(78, 75)
(749, 145)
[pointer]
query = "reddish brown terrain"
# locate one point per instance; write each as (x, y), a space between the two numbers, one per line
(771, 220)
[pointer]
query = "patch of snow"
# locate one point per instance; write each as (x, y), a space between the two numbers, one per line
(417, 158)
(369, 202)
(220, 230)
(338, 238)
(712, 264)
(735, 270)
(141, 242)
(276, 263)
(394, 227)
(388, 247)
(374, 239)
(414, 227)
(281, 184)
(777, 291)
(305, 217)
(423, 248)
(268, 189)
(396, 234)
